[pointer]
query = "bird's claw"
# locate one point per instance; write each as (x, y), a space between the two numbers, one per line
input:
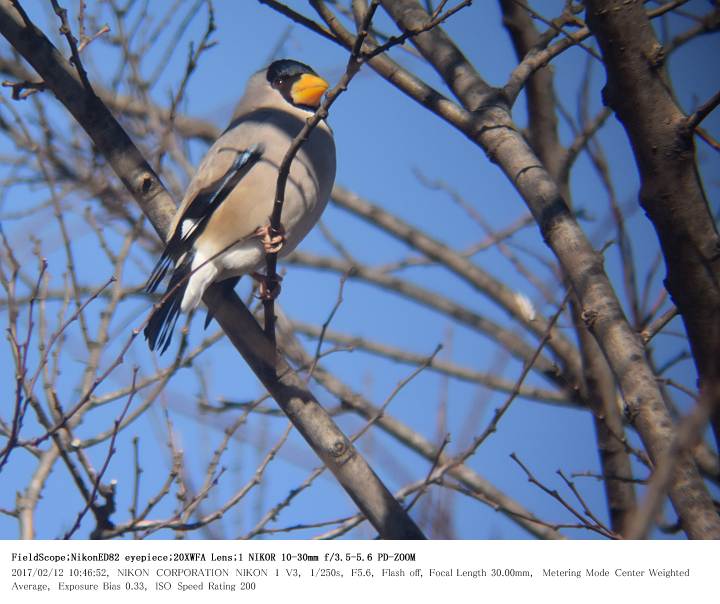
(272, 239)
(269, 289)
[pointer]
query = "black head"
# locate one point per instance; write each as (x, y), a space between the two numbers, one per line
(298, 83)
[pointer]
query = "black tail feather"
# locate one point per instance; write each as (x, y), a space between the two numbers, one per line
(158, 332)
(158, 273)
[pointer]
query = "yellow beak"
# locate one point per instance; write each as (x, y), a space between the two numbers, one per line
(308, 90)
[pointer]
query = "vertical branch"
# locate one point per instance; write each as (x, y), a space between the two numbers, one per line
(671, 192)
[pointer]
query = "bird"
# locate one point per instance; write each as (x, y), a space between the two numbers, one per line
(221, 229)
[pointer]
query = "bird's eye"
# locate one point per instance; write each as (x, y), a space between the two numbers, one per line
(279, 81)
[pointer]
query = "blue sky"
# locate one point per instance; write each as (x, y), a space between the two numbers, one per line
(382, 139)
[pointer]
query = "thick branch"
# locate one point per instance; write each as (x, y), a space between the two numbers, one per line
(495, 132)
(599, 381)
(671, 192)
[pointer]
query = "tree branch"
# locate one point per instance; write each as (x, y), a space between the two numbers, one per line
(331, 445)
(495, 132)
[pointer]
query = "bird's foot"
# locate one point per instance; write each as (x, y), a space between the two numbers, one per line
(272, 239)
(269, 288)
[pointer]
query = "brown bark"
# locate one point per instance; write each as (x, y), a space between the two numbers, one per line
(600, 387)
(495, 132)
(671, 192)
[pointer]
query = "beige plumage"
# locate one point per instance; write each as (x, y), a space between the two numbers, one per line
(218, 229)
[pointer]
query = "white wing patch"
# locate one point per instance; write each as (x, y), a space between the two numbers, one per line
(187, 226)
(204, 273)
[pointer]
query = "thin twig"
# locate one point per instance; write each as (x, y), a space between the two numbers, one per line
(353, 66)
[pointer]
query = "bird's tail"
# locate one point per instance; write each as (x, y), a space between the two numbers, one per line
(158, 331)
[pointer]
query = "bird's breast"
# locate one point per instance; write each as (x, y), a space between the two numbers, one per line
(250, 203)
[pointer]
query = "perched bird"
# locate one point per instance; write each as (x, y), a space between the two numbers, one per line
(221, 230)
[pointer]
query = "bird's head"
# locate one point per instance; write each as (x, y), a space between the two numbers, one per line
(298, 84)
